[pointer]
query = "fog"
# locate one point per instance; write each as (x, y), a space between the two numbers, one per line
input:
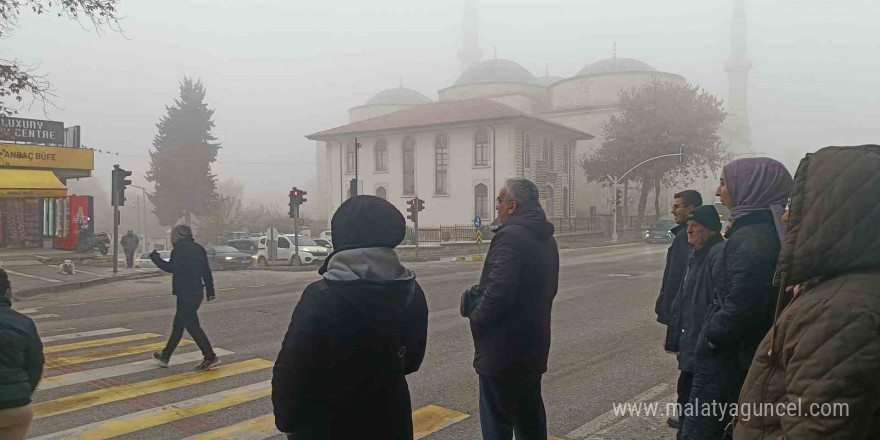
(276, 71)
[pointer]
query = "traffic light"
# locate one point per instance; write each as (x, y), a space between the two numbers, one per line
(413, 209)
(681, 156)
(297, 197)
(618, 197)
(117, 193)
(302, 197)
(420, 204)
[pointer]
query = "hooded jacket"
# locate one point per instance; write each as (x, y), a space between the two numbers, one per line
(824, 347)
(352, 338)
(191, 273)
(511, 323)
(676, 261)
(21, 357)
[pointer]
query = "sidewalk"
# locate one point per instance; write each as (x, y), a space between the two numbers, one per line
(29, 277)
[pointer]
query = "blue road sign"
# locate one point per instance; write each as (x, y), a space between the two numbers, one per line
(478, 222)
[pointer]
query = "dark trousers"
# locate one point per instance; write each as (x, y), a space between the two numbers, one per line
(187, 318)
(685, 382)
(129, 259)
(512, 406)
(718, 377)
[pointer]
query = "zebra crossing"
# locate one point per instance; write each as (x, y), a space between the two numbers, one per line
(69, 366)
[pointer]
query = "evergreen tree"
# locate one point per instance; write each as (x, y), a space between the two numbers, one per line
(180, 167)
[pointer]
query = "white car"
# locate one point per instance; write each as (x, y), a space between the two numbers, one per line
(144, 261)
(326, 235)
(309, 251)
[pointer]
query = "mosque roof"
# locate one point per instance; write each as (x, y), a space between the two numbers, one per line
(615, 64)
(496, 70)
(399, 95)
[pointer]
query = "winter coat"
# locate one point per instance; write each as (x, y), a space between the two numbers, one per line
(191, 273)
(692, 300)
(676, 261)
(21, 357)
(352, 338)
(511, 323)
(129, 242)
(825, 346)
(742, 311)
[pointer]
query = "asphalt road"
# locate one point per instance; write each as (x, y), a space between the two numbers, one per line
(606, 350)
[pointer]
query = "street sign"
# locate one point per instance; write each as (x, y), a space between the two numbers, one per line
(479, 236)
(478, 222)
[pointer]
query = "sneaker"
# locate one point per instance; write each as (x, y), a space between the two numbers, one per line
(208, 363)
(672, 421)
(161, 361)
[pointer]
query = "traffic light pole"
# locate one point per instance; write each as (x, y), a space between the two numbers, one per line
(115, 239)
(416, 222)
(296, 236)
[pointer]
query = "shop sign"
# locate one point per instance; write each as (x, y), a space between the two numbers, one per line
(36, 156)
(43, 192)
(31, 130)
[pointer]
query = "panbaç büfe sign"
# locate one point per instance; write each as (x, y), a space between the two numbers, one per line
(38, 156)
(31, 130)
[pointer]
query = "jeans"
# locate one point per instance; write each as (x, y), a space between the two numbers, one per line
(187, 318)
(512, 406)
(129, 259)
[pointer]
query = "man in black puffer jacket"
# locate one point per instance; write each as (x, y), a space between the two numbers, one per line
(190, 280)
(21, 365)
(354, 335)
(510, 321)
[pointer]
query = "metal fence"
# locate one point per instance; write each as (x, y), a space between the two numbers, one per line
(446, 233)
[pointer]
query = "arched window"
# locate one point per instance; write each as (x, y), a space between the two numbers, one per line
(545, 156)
(382, 192)
(381, 153)
(552, 159)
(350, 158)
(441, 165)
(409, 167)
(527, 151)
(481, 201)
(481, 149)
(566, 159)
(565, 204)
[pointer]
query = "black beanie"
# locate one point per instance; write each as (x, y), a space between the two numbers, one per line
(366, 222)
(707, 216)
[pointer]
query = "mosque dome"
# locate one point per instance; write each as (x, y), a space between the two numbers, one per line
(496, 70)
(399, 95)
(610, 65)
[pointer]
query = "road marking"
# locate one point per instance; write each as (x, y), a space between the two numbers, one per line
(72, 305)
(47, 315)
(106, 331)
(108, 354)
(227, 288)
(29, 311)
(49, 280)
(432, 418)
(259, 428)
(141, 420)
(129, 391)
(99, 342)
(253, 287)
(48, 383)
(610, 417)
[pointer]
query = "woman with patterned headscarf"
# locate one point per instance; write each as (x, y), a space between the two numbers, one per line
(756, 191)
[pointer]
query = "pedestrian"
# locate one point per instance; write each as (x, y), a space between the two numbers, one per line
(130, 244)
(509, 315)
(21, 366)
(823, 351)
(676, 260)
(190, 281)
(695, 294)
(354, 335)
(756, 191)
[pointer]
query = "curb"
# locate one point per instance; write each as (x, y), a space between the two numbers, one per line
(26, 293)
(469, 259)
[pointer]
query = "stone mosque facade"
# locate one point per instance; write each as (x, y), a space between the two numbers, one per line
(496, 121)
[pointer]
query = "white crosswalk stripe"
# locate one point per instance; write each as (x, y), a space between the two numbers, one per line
(80, 335)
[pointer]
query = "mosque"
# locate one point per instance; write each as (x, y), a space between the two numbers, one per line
(496, 121)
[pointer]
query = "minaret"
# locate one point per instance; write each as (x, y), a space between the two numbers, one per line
(737, 68)
(470, 52)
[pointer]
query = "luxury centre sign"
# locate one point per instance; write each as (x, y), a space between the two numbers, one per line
(31, 130)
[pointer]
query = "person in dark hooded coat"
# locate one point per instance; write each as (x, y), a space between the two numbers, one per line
(354, 335)
(509, 314)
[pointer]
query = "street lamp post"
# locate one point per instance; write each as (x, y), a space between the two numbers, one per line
(144, 212)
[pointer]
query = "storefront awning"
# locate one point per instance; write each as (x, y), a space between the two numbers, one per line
(30, 183)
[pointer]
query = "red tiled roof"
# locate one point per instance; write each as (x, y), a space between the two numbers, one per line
(446, 112)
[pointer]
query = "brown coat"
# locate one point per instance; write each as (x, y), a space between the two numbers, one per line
(824, 347)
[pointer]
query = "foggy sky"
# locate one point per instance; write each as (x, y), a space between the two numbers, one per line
(278, 70)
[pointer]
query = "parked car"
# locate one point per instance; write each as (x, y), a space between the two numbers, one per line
(326, 235)
(99, 242)
(325, 242)
(144, 262)
(309, 251)
(660, 232)
(228, 257)
(244, 245)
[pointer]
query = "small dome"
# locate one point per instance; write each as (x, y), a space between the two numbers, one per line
(609, 65)
(496, 70)
(547, 80)
(399, 95)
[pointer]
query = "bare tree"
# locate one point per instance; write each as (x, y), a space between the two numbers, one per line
(18, 80)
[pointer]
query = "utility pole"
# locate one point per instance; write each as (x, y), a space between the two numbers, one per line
(616, 181)
(144, 213)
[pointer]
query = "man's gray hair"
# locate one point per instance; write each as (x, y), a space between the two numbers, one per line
(523, 191)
